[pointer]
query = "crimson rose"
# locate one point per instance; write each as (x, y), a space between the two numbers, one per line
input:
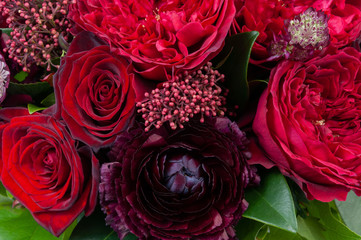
(268, 16)
(181, 184)
(308, 123)
(45, 169)
(94, 92)
(161, 37)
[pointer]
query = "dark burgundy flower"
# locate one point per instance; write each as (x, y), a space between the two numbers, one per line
(182, 184)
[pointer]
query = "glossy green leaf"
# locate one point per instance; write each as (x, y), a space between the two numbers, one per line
(18, 224)
(279, 234)
(350, 211)
(271, 203)
(233, 63)
(310, 228)
(335, 229)
(130, 236)
(9, 195)
(6, 30)
(2, 190)
(49, 100)
(94, 228)
(21, 76)
(247, 229)
(33, 108)
(36, 90)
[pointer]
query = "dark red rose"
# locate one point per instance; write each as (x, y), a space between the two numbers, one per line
(45, 169)
(268, 16)
(95, 95)
(162, 38)
(308, 123)
(182, 184)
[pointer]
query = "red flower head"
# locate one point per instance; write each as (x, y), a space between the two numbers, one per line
(308, 123)
(161, 37)
(45, 169)
(95, 95)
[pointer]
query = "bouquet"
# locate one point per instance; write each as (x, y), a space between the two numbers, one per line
(229, 119)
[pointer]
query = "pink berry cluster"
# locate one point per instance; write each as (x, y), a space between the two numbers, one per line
(39, 30)
(190, 94)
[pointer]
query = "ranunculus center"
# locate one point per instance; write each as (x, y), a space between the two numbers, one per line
(182, 172)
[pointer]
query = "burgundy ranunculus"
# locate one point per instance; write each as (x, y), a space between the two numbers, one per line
(268, 16)
(182, 184)
(308, 123)
(95, 95)
(161, 37)
(45, 169)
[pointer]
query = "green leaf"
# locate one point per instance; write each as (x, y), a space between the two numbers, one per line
(335, 229)
(234, 59)
(9, 195)
(35, 90)
(2, 190)
(271, 203)
(247, 229)
(49, 100)
(130, 236)
(6, 30)
(350, 211)
(33, 108)
(94, 228)
(21, 76)
(278, 234)
(18, 224)
(310, 228)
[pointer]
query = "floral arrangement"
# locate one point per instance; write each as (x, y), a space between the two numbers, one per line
(229, 119)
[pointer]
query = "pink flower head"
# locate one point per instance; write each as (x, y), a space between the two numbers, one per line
(163, 38)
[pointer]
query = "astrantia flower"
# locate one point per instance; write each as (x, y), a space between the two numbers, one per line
(182, 184)
(161, 37)
(268, 18)
(4, 78)
(305, 34)
(39, 28)
(179, 101)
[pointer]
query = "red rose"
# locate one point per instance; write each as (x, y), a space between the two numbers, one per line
(308, 123)
(94, 92)
(267, 17)
(43, 168)
(161, 37)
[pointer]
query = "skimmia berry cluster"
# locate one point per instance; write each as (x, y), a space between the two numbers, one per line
(306, 33)
(190, 94)
(40, 30)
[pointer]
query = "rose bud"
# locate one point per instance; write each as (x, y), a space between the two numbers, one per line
(177, 184)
